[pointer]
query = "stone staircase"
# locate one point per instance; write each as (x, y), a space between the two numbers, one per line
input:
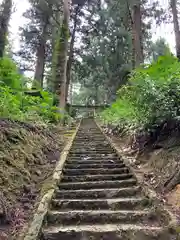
(98, 197)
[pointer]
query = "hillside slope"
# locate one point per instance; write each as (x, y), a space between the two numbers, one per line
(156, 162)
(28, 155)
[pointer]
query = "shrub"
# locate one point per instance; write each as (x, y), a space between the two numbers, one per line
(151, 97)
(9, 75)
(14, 104)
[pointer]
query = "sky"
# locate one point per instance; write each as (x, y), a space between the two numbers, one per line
(17, 20)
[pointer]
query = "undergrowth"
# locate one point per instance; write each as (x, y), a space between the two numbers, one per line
(146, 114)
(150, 99)
(15, 104)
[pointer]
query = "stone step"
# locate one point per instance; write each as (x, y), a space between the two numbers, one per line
(93, 155)
(96, 178)
(87, 140)
(89, 152)
(94, 171)
(99, 216)
(87, 161)
(102, 157)
(104, 232)
(99, 193)
(86, 135)
(95, 165)
(97, 185)
(95, 148)
(91, 131)
(98, 197)
(87, 146)
(94, 144)
(102, 143)
(97, 204)
(94, 131)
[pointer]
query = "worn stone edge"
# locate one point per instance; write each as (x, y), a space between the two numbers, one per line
(36, 224)
(173, 223)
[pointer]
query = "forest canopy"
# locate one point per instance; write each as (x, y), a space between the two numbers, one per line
(89, 52)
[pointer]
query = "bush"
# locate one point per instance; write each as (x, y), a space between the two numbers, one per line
(9, 75)
(15, 104)
(151, 97)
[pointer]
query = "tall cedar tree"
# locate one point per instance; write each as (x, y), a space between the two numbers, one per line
(71, 51)
(173, 4)
(41, 53)
(137, 33)
(63, 53)
(5, 14)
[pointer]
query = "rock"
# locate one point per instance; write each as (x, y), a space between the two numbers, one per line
(33, 195)
(1, 211)
(148, 175)
(53, 161)
(3, 236)
(38, 172)
(27, 206)
(24, 200)
(137, 163)
(27, 188)
(132, 161)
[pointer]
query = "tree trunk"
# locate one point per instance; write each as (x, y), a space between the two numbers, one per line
(5, 13)
(53, 83)
(137, 35)
(71, 54)
(41, 55)
(62, 56)
(173, 4)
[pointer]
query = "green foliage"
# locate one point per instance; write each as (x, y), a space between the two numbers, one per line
(8, 74)
(151, 96)
(42, 107)
(15, 104)
(159, 48)
(103, 55)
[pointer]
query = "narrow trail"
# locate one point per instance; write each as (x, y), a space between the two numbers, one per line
(98, 197)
